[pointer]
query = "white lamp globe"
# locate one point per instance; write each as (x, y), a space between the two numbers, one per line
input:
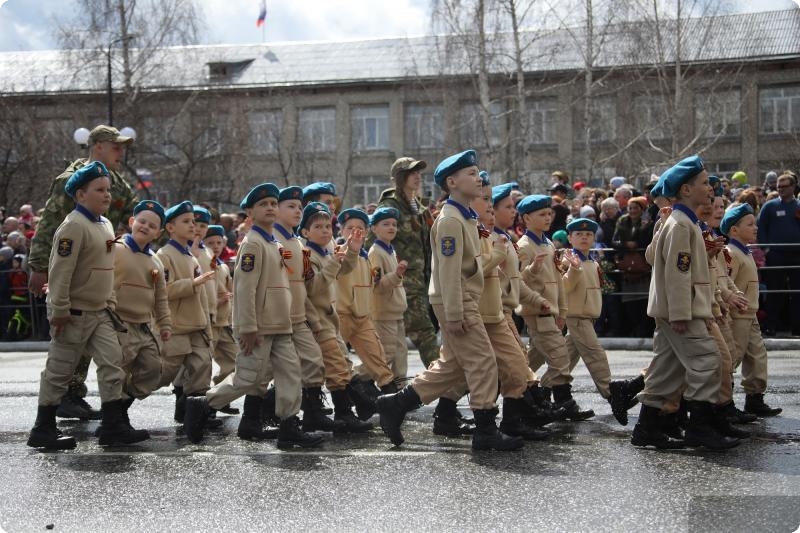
(127, 131)
(81, 136)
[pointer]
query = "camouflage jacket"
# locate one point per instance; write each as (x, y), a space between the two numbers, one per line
(412, 242)
(58, 206)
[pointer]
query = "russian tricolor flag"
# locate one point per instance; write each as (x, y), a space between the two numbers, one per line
(262, 15)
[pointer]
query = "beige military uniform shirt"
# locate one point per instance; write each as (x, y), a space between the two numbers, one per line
(543, 278)
(295, 269)
(139, 285)
(490, 304)
(388, 295)
(743, 272)
(188, 305)
(223, 282)
(584, 297)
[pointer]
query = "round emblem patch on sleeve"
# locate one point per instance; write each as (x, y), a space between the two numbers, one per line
(448, 246)
(248, 262)
(64, 247)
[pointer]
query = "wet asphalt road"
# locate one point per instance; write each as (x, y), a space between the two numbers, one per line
(586, 478)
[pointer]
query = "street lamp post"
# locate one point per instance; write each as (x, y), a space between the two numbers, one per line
(109, 88)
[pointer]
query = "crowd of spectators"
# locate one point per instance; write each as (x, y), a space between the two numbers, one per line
(625, 215)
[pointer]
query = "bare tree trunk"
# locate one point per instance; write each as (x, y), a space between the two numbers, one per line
(483, 75)
(520, 126)
(588, 84)
(125, 39)
(678, 83)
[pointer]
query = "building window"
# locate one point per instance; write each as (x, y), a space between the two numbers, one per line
(650, 117)
(602, 120)
(780, 110)
(367, 189)
(718, 114)
(208, 132)
(543, 121)
(265, 131)
(424, 125)
(471, 129)
(722, 170)
(317, 129)
(370, 127)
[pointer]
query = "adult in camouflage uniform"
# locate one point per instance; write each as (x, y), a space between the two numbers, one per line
(412, 244)
(107, 146)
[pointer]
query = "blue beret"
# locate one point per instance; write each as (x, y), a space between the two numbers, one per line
(716, 184)
(453, 164)
(264, 190)
(733, 215)
(150, 205)
(215, 231)
(680, 173)
(312, 209)
(533, 202)
(201, 214)
(84, 175)
(290, 193)
(384, 213)
(514, 185)
(582, 224)
(320, 187)
(347, 214)
(501, 192)
(484, 178)
(178, 210)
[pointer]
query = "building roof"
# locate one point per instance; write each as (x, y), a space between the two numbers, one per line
(762, 36)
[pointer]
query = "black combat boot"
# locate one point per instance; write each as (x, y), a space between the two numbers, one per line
(180, 404)
(648, 430)
(197, 413)
(724, 427)
(389, 388)
(126, 404)
(562, 397)
(671, 425)
(45, 434)
(250, 426)
(343, 412)
(488, 437)
(228, 410)
(290, 435)
(539, 410)
(623, 397)
(513, 423)
(701, 430)
(73, 406)
(393, 409)
(363, 393)
(313, 417)
(754, 404)
(115, 430)
(447, 422)
(268, 415)
(736, 415)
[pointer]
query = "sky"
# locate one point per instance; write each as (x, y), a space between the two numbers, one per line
(28, 24)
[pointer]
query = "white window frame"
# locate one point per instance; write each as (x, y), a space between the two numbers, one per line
(424, 126)
(317, 129)
(366, 119)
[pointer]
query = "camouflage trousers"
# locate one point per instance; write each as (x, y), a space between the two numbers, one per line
(77, 385)
(419, 327)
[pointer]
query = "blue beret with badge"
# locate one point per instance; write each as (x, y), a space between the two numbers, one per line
(582, 224)
(349, 214)
(716, 184)
(320, 187)
(150, 205)
(384, 213)
(83, 176)
(263, 190)
(501, 192)
(215, 231)
(453, 164)
(533, 202)
(733, 215)
(680, 173)
(311, 209)
(484, 178)
(178, 210)
(292, 192)
(201, 214)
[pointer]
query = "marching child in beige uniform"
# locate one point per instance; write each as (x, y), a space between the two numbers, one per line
(224, 347)
(189, 347)
(388, 295)
(455, 289)
(290, 213)
(79, 301)
(141, 296)
(680, 301)
(739, 224)
(261, 286)
(546, 315)
(320, 275)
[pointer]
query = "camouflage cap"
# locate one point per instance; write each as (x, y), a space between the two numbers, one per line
(405, 164)
(103, 133)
